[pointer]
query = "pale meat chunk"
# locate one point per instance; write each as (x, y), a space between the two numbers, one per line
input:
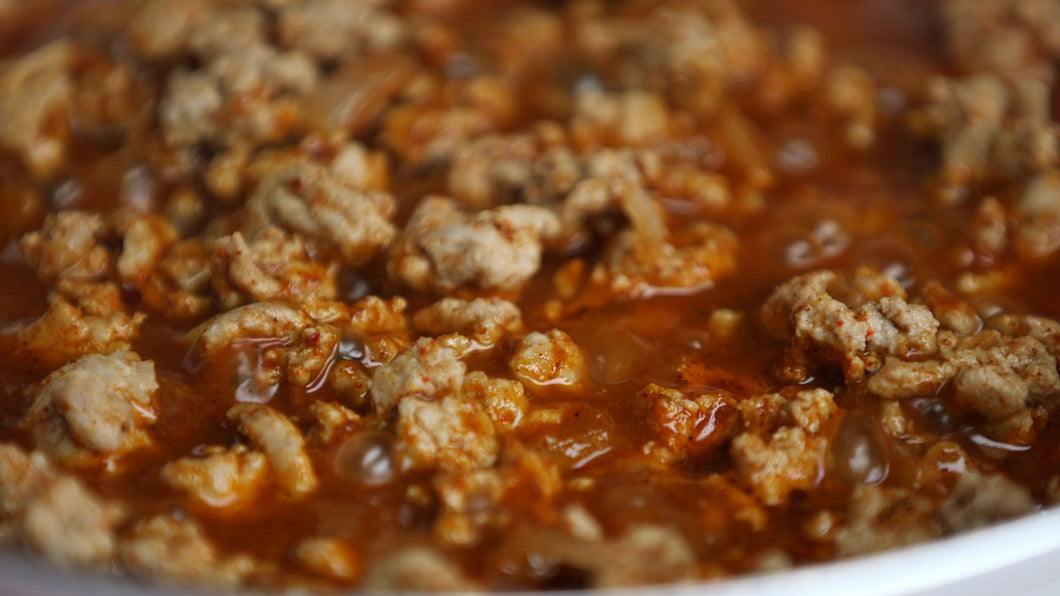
(247, 95)
(982, 499)
(504, 401)
(97, 406)
(69, 245)
(986, 126)
(226, 29)
(485, 171)
(1037, 214)
(221, 477)
(645, 555)
(429, 368)
(282, 444)
(874, 321)
(160, 29)
(165, 548)
(789, 460)
(70, 525)
(332, 558)
(416, 569)
(1047, 331)
(305, 348)
(146, 238)
(1003, 36)
(881, 518)
(430, 129)
(92, 321)
(36, 91)
(332, 420)
(634, 118)
(952, 312)
(444, 248)
(694, 56)
(549, 359)
(482, 320)
(452, 433)
(311, 200)
(334, 29)
(273, 264)
(22, 475)
(53, 513)
(643, 263)
(1000, 377)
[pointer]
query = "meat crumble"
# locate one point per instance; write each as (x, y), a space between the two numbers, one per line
(320, 295)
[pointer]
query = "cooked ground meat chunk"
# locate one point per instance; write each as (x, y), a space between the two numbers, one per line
(96, 406)
(176, 551)
(281, 442)
(443, 248)
(221, 477)
(871, 319)
(35, 95)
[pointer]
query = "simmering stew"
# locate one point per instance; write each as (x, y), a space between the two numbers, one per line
(469, 294)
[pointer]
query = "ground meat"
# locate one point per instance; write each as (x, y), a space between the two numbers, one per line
(242, 94)
(988, 127)
(874, 321)
(416, 569)
(694, 257)
(22, 475)
(310, 200)
(851, 96)
(35, 96)
(146, 238)
(430, 131)
(982, 499)
(1006, 36)
(1037, 217)
(551, 359)
(176, 551)
(632, 118)
(482, 320)
(282, 443)
(690, 427)
(70, 525)
(160, 29)
(274, 264)
(332, 558)
(453, 433)
(69, 245)
(484, 172)
(997, 376)
(220, 477)
(789, 460)
(646, 555)
(952, 312)
(881, 518)
(331, 29)
(96, 406)
(504, 401)
(332, 420)
(443, 248)
(429, 368)
(303, 349)
(179, 286)
(469, 501)
(694, 56)
(92, 320)
(54, 513)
